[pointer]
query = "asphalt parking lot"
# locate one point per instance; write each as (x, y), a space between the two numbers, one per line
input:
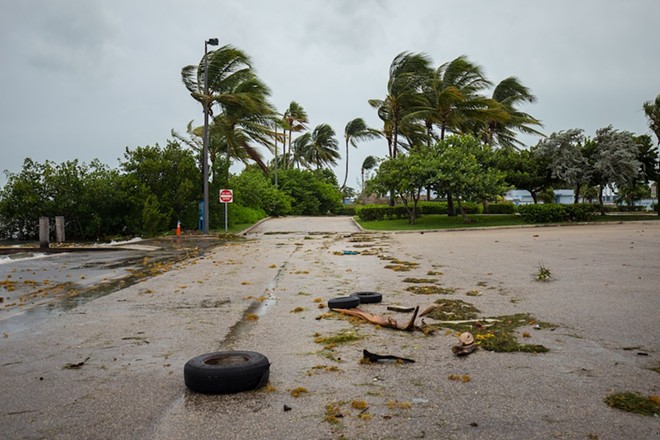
(111, 367)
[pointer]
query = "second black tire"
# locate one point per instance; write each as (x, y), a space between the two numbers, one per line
(368, 297)
(344, 302)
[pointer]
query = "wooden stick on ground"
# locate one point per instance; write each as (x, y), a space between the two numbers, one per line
(383, 321)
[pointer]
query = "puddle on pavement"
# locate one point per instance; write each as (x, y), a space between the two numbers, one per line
(135, 266)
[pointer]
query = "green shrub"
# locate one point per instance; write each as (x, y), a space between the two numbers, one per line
(433, 207)
(239, 214)
(380, 212)
(348, 210)
(580, 212)
(542, 213)
(554, 213)
(501, 208)
(470, 207)
(311, 193)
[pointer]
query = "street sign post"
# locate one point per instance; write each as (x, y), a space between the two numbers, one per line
(226, 196)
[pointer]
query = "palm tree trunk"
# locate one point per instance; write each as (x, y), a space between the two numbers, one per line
(343, 185)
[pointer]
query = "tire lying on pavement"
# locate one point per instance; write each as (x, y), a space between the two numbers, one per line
(368, 297)
(226, 372)
(344, 302)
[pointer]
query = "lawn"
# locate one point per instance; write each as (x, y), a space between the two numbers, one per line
(437, 221)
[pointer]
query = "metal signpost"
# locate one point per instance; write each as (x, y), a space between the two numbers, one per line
(226, 196)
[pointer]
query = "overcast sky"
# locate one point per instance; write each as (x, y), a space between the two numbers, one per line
(84, 79)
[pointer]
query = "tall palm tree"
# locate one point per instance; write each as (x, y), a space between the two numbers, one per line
(652, 111)
(453, 99)
(356, 130)
(245, 121)
(318, 148)
(501, 129)
(368, 163)
(407, 72)
(295, 120)
(236, 99)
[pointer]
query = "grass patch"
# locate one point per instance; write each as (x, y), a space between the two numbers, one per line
(332, 413)
(634, 402)
(420, 280)
(497, 336)
(454, 310)
(431, 290)
(342, 337)
(438, 221)
(297, 392)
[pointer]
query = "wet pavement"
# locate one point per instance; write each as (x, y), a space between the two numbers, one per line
(37, 282)
(112, 367)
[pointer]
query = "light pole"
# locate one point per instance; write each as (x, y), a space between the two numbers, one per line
(205, 149)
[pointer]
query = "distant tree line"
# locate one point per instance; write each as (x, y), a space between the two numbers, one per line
(448, 130)
(152, 190)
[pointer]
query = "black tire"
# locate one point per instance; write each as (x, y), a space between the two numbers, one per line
(344, 302)
(226, 372)
(368, 297)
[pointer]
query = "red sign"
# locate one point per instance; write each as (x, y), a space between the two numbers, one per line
(226, 196)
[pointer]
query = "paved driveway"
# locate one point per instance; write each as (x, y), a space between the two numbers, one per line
(306, 225)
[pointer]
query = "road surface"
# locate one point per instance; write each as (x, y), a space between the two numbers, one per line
(112, 368)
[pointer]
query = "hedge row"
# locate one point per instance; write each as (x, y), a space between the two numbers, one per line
(380, 212)
(553, 213)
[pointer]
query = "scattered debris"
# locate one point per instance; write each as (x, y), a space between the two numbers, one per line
(635, 402)
(287, 408)
(401, 309)
(467, 345)
(543, 273)
(383, 321)
(460, 378)
(431, 290)
(75, 366)
(466, 338)
(420, 280)
(297, 392)
(462, 350)
(373, 357)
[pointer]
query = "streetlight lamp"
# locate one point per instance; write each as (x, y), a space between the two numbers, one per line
(205, 149)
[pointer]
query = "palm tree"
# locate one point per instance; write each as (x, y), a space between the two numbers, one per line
(295, 119)
(356, 130)
(407, 72)
(243, 111)
(453, 99)
(652, 111)
(508, 94)
(368, 163)
(318, 148)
